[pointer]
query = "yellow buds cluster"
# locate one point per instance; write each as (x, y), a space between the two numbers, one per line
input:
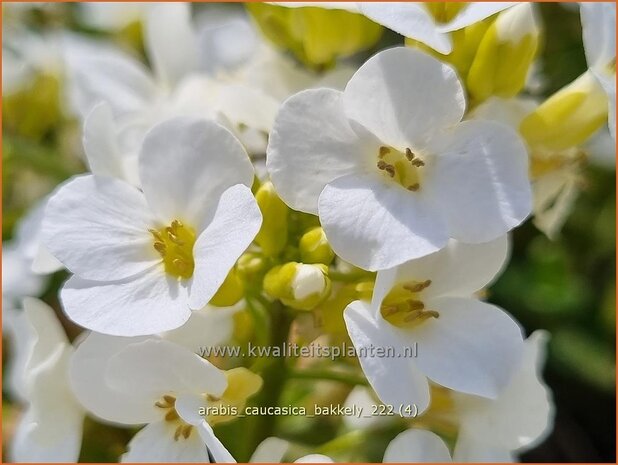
(316, 36)
(298, 285)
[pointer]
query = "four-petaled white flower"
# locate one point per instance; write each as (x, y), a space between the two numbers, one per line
(142, 260)
(162, 385)
(426, 310)
(390, 168)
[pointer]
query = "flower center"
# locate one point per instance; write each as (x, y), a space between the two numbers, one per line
(403, 168)
(175, 244)
(168, 404)
(402, 307)
(444, 12)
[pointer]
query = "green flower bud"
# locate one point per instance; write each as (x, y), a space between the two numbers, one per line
(230, 292)
(567, 118)
(316, 36)
(273, 234)
(314, 248)
(298, 285)
(505, 54)
(251, 266)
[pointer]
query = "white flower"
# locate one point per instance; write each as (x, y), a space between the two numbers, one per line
(111, 16)
(599, 36)
(142, 260)
(520, 418)
(139, 99)
(430, 23)
(163, 385)
(389, 167)
(495, 430)
(426, 310)
(51, 427)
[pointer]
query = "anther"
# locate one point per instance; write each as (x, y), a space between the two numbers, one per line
(409, 154)
(390, 169)
(186, 431)
(180, 264)
(417, 287)
(161, 404)
(381, 164)
(178, 432)
(384, 151)
(388, 310)
(171, 234)
(156, 234)
(171, 415)
(414, 187)
(211, 398)
(417, 162)
(415, 305)
(160, 247)
(169, 399)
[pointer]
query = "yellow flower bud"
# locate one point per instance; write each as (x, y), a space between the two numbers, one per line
(316, 36)
(273, 234)
(567, 118)
(505, 54)
(298, 285)
(314, 248)
(241, 384)
(251, 265)
(230, 292)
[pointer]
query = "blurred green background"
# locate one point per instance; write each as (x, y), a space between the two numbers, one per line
(566, 286)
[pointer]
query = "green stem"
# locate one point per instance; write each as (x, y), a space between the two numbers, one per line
(346, 378)
(274, 374)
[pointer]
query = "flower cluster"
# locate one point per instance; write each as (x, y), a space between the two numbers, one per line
(249, 181)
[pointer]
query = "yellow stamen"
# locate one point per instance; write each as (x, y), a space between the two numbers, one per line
(402, 306)
(175, 245)
(401, 167)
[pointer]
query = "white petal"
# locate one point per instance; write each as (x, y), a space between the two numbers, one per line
(416, 445)
(98, 228)
(218, 450)
(207, 327)
(44, 262)
(363, 398)
(148, 370)
(313, 143)
(186, 164)
(97, 72)
(48, 332)
(233, 227)
(88, 382)
(479, 179)
(375, 224)
(349, 6)
(410, 20)
(473, 347)
(100, 144)
(396, 380)
(17, 278)
(171, 42)
(315, 458)
(155, 444)
(475, 12)
(598, 32)
(522, 415)
(51, 429)
(459, 269)
(22, 339)
(148, 303)
(270, 450)
(403, 95)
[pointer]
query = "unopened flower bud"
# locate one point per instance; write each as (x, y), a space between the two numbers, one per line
(316, 36)
(251, 265)
(314, 248)
(298, 285)
(230, 292)
(567, 118)
(505, 54)
(273, 234)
